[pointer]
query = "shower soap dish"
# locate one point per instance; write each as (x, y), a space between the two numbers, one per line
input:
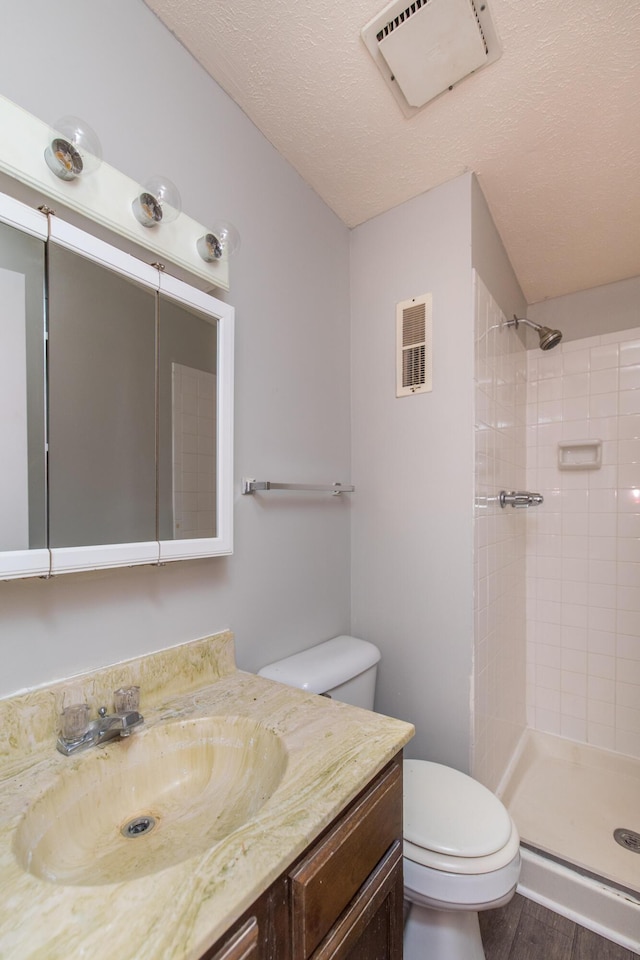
(580, 454)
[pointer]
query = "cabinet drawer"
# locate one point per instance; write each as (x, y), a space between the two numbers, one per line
(326, 880)
(371, 926)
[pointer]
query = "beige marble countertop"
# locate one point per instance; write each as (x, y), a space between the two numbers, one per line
(332, 749)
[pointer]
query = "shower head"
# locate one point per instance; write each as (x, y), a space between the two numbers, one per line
(548, 338)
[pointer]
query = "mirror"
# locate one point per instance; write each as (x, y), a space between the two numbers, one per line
(102, 474)
(187, 387)
(137, 386)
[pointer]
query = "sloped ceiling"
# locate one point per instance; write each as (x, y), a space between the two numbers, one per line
(552, 129)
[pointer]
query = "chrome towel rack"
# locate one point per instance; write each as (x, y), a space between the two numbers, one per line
(519, 498)
(254, 486)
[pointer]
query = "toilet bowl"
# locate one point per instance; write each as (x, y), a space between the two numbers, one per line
(461, 848)
(461, 855)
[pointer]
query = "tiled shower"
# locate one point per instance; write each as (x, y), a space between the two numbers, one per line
(557, 587)
(499, 709)
(583, 547)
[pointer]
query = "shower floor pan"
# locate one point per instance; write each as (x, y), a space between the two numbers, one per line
(567, 799)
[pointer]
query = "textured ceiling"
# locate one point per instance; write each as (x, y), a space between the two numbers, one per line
(552, 129)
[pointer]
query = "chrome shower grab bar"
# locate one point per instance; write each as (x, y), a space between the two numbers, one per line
(252, 486)
(519, 498)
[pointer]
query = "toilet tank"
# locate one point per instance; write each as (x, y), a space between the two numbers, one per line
(343, 668)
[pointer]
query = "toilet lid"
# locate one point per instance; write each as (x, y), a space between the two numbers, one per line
(449, 812)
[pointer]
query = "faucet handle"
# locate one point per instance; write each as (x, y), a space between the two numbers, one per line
(126, 699)
(74, 721)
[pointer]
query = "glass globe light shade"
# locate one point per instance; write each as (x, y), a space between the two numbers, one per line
(222, 242)
(158, 202)
(74, 149)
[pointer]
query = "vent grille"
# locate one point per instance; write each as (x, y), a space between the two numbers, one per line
(413, 324)
(480, 30)
(426, 47)
(401, 17)
(413, 366)
(413, 346)
(412, 9)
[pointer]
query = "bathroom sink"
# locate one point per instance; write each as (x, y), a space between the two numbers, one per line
(148, 802)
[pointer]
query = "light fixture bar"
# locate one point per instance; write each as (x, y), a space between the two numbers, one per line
(105, 197)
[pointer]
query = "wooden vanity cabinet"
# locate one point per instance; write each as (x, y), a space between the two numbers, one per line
(342, 899)
(262, 933)
(243, 945)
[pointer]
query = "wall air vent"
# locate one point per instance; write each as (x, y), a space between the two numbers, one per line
(426, 47)
(413, 346)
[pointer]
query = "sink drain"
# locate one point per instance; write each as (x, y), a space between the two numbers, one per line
(138, 827)
(628, 839)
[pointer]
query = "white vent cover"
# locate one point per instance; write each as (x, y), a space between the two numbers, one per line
(413, 346)
(425, 47)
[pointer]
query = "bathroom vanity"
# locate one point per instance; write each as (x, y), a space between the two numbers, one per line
(279, 821)
(342, 898)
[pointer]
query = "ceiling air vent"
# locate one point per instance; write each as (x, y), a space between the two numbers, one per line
(428, 46)
(413, 346)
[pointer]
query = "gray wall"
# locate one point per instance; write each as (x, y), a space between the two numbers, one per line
(412, 566)
(590, 313)
(490, 259)
(287, 584)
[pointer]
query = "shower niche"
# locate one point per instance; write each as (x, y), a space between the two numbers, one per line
(116, 406)
(579, 454)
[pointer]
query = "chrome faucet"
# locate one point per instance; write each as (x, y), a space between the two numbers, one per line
(99, 731)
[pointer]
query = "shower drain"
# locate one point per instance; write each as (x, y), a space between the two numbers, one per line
(139, 826)
(628, 839)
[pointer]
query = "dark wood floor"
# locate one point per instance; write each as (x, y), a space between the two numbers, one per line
(523, 930)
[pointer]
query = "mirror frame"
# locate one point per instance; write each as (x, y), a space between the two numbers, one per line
(37, 562)
(56, 560)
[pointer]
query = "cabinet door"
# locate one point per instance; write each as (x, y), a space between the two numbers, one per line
(371, 927)
(242, 945)
(262, 933)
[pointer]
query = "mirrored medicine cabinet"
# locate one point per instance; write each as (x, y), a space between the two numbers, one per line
(116, 392)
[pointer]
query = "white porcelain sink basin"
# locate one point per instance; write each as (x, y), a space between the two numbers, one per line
(143, 804)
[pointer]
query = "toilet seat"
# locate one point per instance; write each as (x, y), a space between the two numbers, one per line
(453, 823)
(470, 866)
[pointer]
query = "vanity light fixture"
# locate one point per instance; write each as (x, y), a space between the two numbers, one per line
(159, 202)
(74, 149)
(222, 241)
(54, 159)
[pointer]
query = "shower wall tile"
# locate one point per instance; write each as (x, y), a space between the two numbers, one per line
(630, 352)
(583, 546)
(500, 549)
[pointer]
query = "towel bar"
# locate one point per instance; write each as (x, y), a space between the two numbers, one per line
(252, 486)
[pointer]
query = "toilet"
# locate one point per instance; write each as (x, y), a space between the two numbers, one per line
(461, 848)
